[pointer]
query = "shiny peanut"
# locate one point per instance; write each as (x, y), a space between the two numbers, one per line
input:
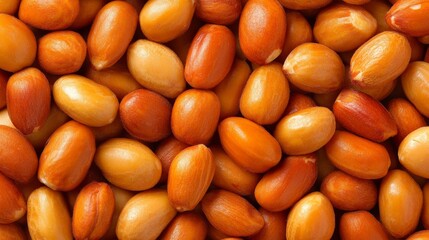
(111, 33)
(189, 225)
(265, 95)
(416, 86)
(48, 215)
(151, 122)
(262, 41)
(210, 56)
(18, 159)
(230, 176)
(230, 89)
(85, 100)
(231, 214)
(189, 177)
(288, 182)
(413, 151)
(67, 156)
(311, 217)
(28, 98)
(192, 108)
(61, 52)
(349, 193)
(93, 210)
(313, 67)
(400, 202)
(123, 160)
(163, 21)
(12, 201)
(305, 131)
(152, 75)
(358, 156)
(145, 216)
(18, 50)
(248, 144)
(49, 15)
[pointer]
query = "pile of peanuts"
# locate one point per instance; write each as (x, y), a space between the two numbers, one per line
(214, 119)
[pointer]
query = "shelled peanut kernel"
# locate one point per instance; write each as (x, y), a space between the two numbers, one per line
(214, 119)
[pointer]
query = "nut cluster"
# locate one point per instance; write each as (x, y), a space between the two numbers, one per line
(214, 119)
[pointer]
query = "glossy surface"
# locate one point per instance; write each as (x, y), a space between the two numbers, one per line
(189, 177)
(231, 176)
(313, 67)
(49, 15)
(163, 21)
(18, 160)
(305, 131)
(265, 95)
(416, 85)
(67, 156)
(187, 225)
(361, 225)
(123, 160)
(18, 44)
(195, 116)
(262, 30)
(349, 193)
(400, 202)
(145, 216)
(146, 61)
(146, 115)
(85, 100)
(413, 152)
(230, 89)
(48, 215)
(248, 144)
(231, 214)
(311, 217)
(93, 210)
(12, 201)
(111, 33)
(288, 182)
(358, 156)
(380, 60)
(210, 56)
(61, 52)
(28, 97)
(364, 116)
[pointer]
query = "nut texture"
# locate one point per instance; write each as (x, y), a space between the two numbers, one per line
(380, 60)
(17, 50)
(311, 217)
(111, 33)
(28, 97)
(313, 67)
(231, 214)
(122, 161)
(249, 144)
(93, 210)
(18, 159)
(12, 201)
(400, 202)
(262, 40)
(210, 56)
(145, 216)
(48, 216)
(358, 156)
(85, 100)
(146, 115)
(67, 156)
(288, 182)
(189, 177)
(364, 116)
